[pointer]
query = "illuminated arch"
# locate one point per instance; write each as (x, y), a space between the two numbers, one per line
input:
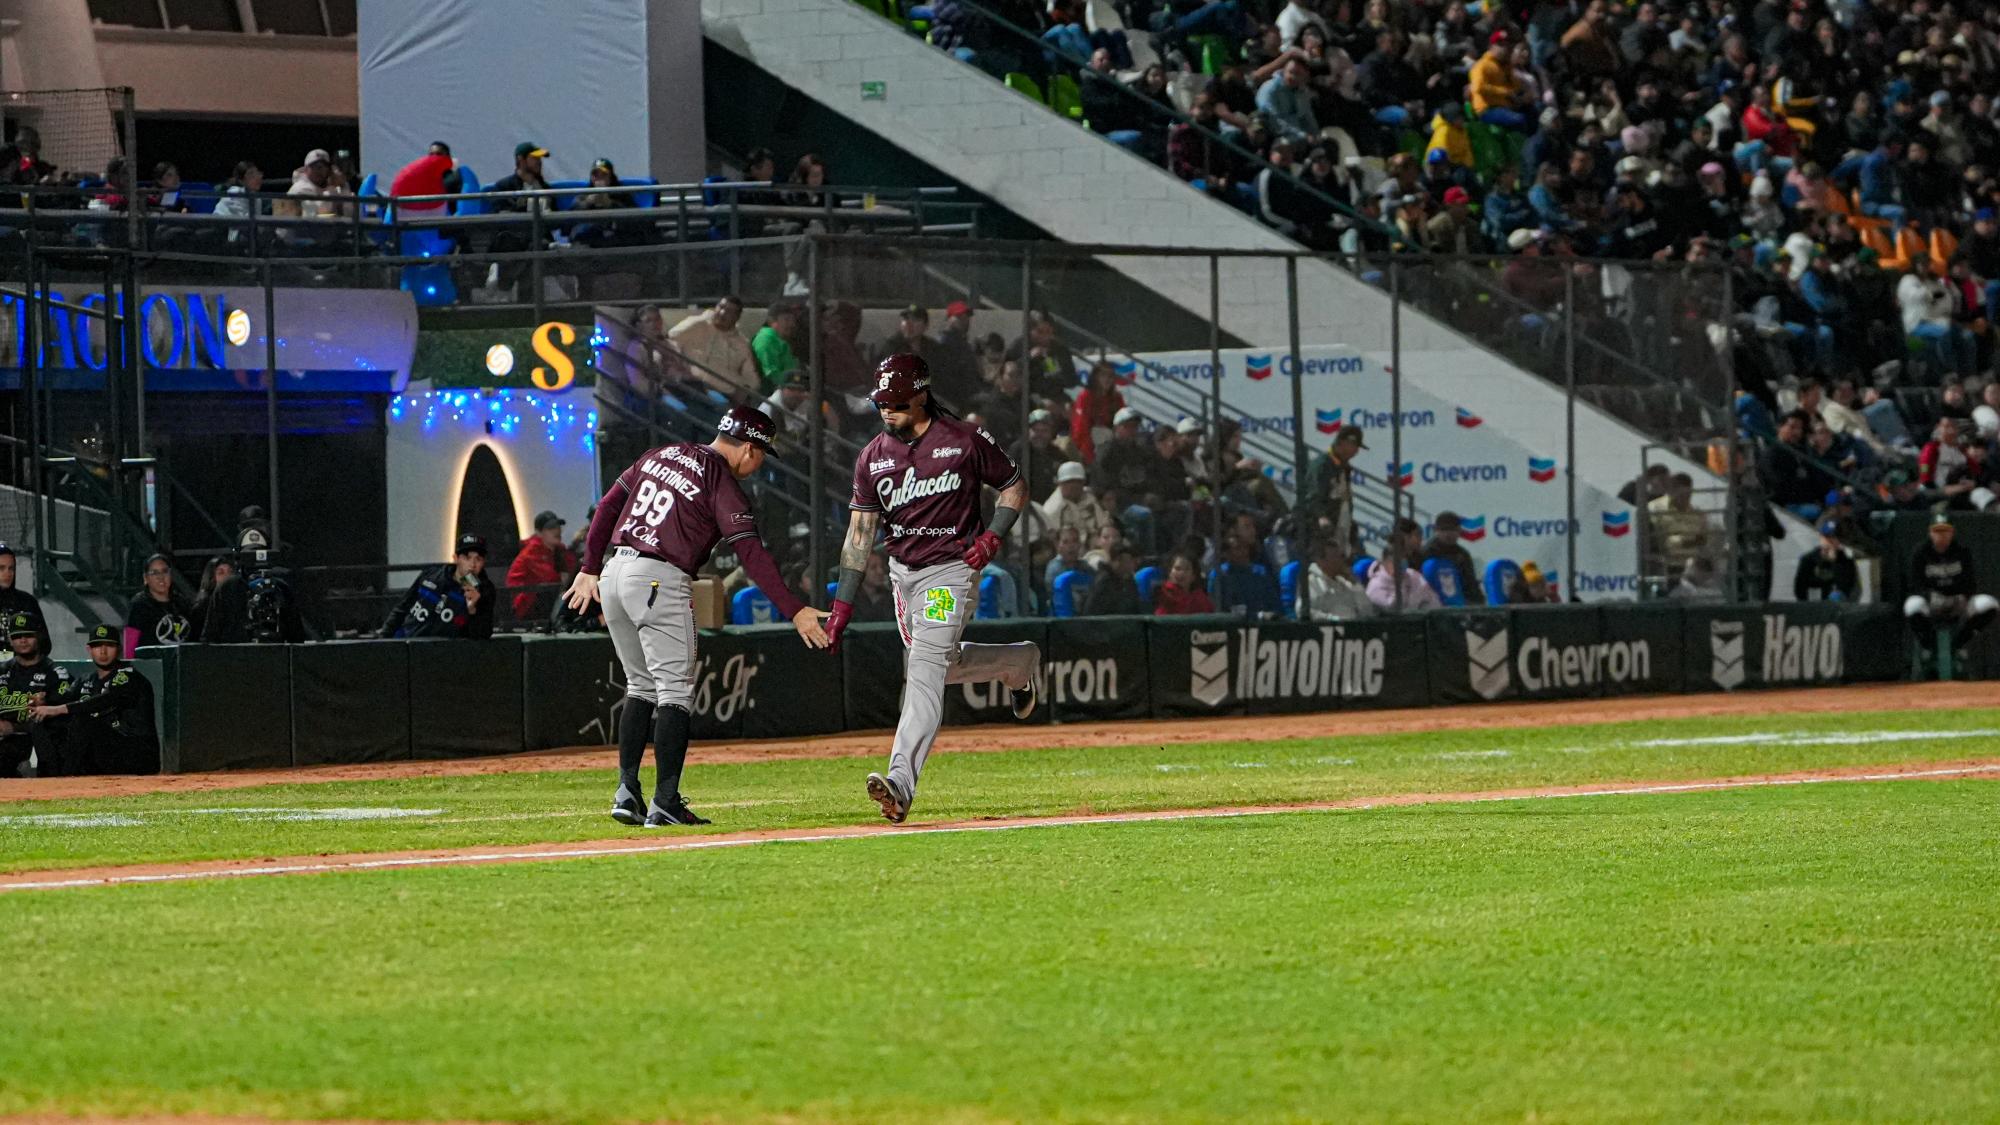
(455, 495)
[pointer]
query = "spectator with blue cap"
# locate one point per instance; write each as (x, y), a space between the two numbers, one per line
(1827, 572)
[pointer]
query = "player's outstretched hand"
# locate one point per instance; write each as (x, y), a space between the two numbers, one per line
(582, 592)
(836, 622)
(807, 622)
(982, 551)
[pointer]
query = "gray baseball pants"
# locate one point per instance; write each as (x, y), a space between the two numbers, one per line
(649, 609)
(932, 607)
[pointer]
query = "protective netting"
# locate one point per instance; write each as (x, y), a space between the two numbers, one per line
(78, 129)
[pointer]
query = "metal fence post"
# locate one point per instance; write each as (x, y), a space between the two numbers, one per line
(271, 395)
(535, 248)
(1731, 523)
(1215, 398)
(1027, 381)
(1298, 378)
(1396, 390)
(816, 503)
(1569, 423)
(31, 388)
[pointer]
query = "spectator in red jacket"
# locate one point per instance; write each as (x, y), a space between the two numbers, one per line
(1181, 594)
(1090, 416)
(542, 561)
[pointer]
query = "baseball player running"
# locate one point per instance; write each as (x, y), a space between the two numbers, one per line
(659, 522)
(925, 472)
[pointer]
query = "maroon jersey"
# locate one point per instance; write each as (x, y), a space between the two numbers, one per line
(928, 491)
(675, 504)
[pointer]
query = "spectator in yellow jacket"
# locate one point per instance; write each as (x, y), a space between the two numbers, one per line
(1496, 93)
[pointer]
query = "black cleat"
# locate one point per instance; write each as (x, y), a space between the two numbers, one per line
(1024, 700)
(669, 816)
(627, 809)
(895, 807)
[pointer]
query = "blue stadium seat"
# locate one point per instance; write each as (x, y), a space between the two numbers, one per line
(989, 599)
(1288, 587)
(749, 606)
(1443, 576)
(1499, 573)
(1149, 579)
(567, 202)
(1361, 566)
(198, 204)
(1072, 587)
(468, 180)
(643, 198)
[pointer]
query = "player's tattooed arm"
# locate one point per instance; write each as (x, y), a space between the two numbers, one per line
(854, 552)
(1012, 502)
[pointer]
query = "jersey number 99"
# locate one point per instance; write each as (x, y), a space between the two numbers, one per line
(651, 503)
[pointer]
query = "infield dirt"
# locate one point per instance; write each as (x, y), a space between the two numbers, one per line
(1156, 732)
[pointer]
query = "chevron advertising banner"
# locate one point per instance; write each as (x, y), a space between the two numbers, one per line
(1507, 484)
(1553, 652)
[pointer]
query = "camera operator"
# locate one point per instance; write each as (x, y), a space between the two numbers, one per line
(255, 603)
(453, 599)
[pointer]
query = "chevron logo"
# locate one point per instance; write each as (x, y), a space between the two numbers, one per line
(1126, 372)
(1257, 366)
(1409, 473)
(1472, 529)
(1468, 419)
(1725, 643)
(1617, 524)
(1541, 470)
(1327, 420)
(1486, 664)
(1208, 672)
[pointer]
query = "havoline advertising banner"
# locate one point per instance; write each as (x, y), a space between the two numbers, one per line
(1226, 666)
(1778, 645)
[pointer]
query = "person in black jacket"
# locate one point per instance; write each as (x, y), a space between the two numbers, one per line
(452, 600)
(111, 716)
(28, 748)
(15, 600)
(1827, 572)
(1944, 591)
(1116, 590)
(158, 614)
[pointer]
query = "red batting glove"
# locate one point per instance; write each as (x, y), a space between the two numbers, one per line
(982, 551)
(837, 620)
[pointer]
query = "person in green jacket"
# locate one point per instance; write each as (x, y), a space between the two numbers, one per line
(773, 344)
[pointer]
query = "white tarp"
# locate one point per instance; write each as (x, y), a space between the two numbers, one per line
(585, 78)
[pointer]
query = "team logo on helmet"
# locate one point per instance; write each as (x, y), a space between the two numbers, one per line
(745, 424)
(899, 376)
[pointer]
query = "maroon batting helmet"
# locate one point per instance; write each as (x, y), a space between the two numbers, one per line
(899, 377)
(746, 424)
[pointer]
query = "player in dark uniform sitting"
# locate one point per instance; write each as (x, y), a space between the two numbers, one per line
(28, 748)
(453, 599)
(1827, 572)
(1945, 596)
(158, 614)
(658, 524)
(921, 480)
(13, 599)
(111, 712)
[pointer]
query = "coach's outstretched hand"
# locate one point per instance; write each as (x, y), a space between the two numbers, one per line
(807, 622)
(582, 592)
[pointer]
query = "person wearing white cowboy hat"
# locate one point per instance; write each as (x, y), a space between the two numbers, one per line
(1073, 505)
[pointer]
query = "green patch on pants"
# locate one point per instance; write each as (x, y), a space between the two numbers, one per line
(939, 604)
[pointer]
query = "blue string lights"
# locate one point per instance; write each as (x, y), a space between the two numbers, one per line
(500, 412)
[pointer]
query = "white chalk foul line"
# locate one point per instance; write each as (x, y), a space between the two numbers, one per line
(698, 843)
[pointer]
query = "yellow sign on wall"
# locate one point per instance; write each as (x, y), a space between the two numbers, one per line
(560, 371)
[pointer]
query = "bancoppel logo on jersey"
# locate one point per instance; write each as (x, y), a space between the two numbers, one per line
(948, 451)
(882, 466)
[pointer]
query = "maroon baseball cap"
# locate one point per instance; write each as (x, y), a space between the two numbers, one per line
(747, 424)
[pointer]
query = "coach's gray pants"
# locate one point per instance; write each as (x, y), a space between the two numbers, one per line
(649, 609)
(932, 607)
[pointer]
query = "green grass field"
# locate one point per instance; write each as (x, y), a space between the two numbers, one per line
(1822, 952)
